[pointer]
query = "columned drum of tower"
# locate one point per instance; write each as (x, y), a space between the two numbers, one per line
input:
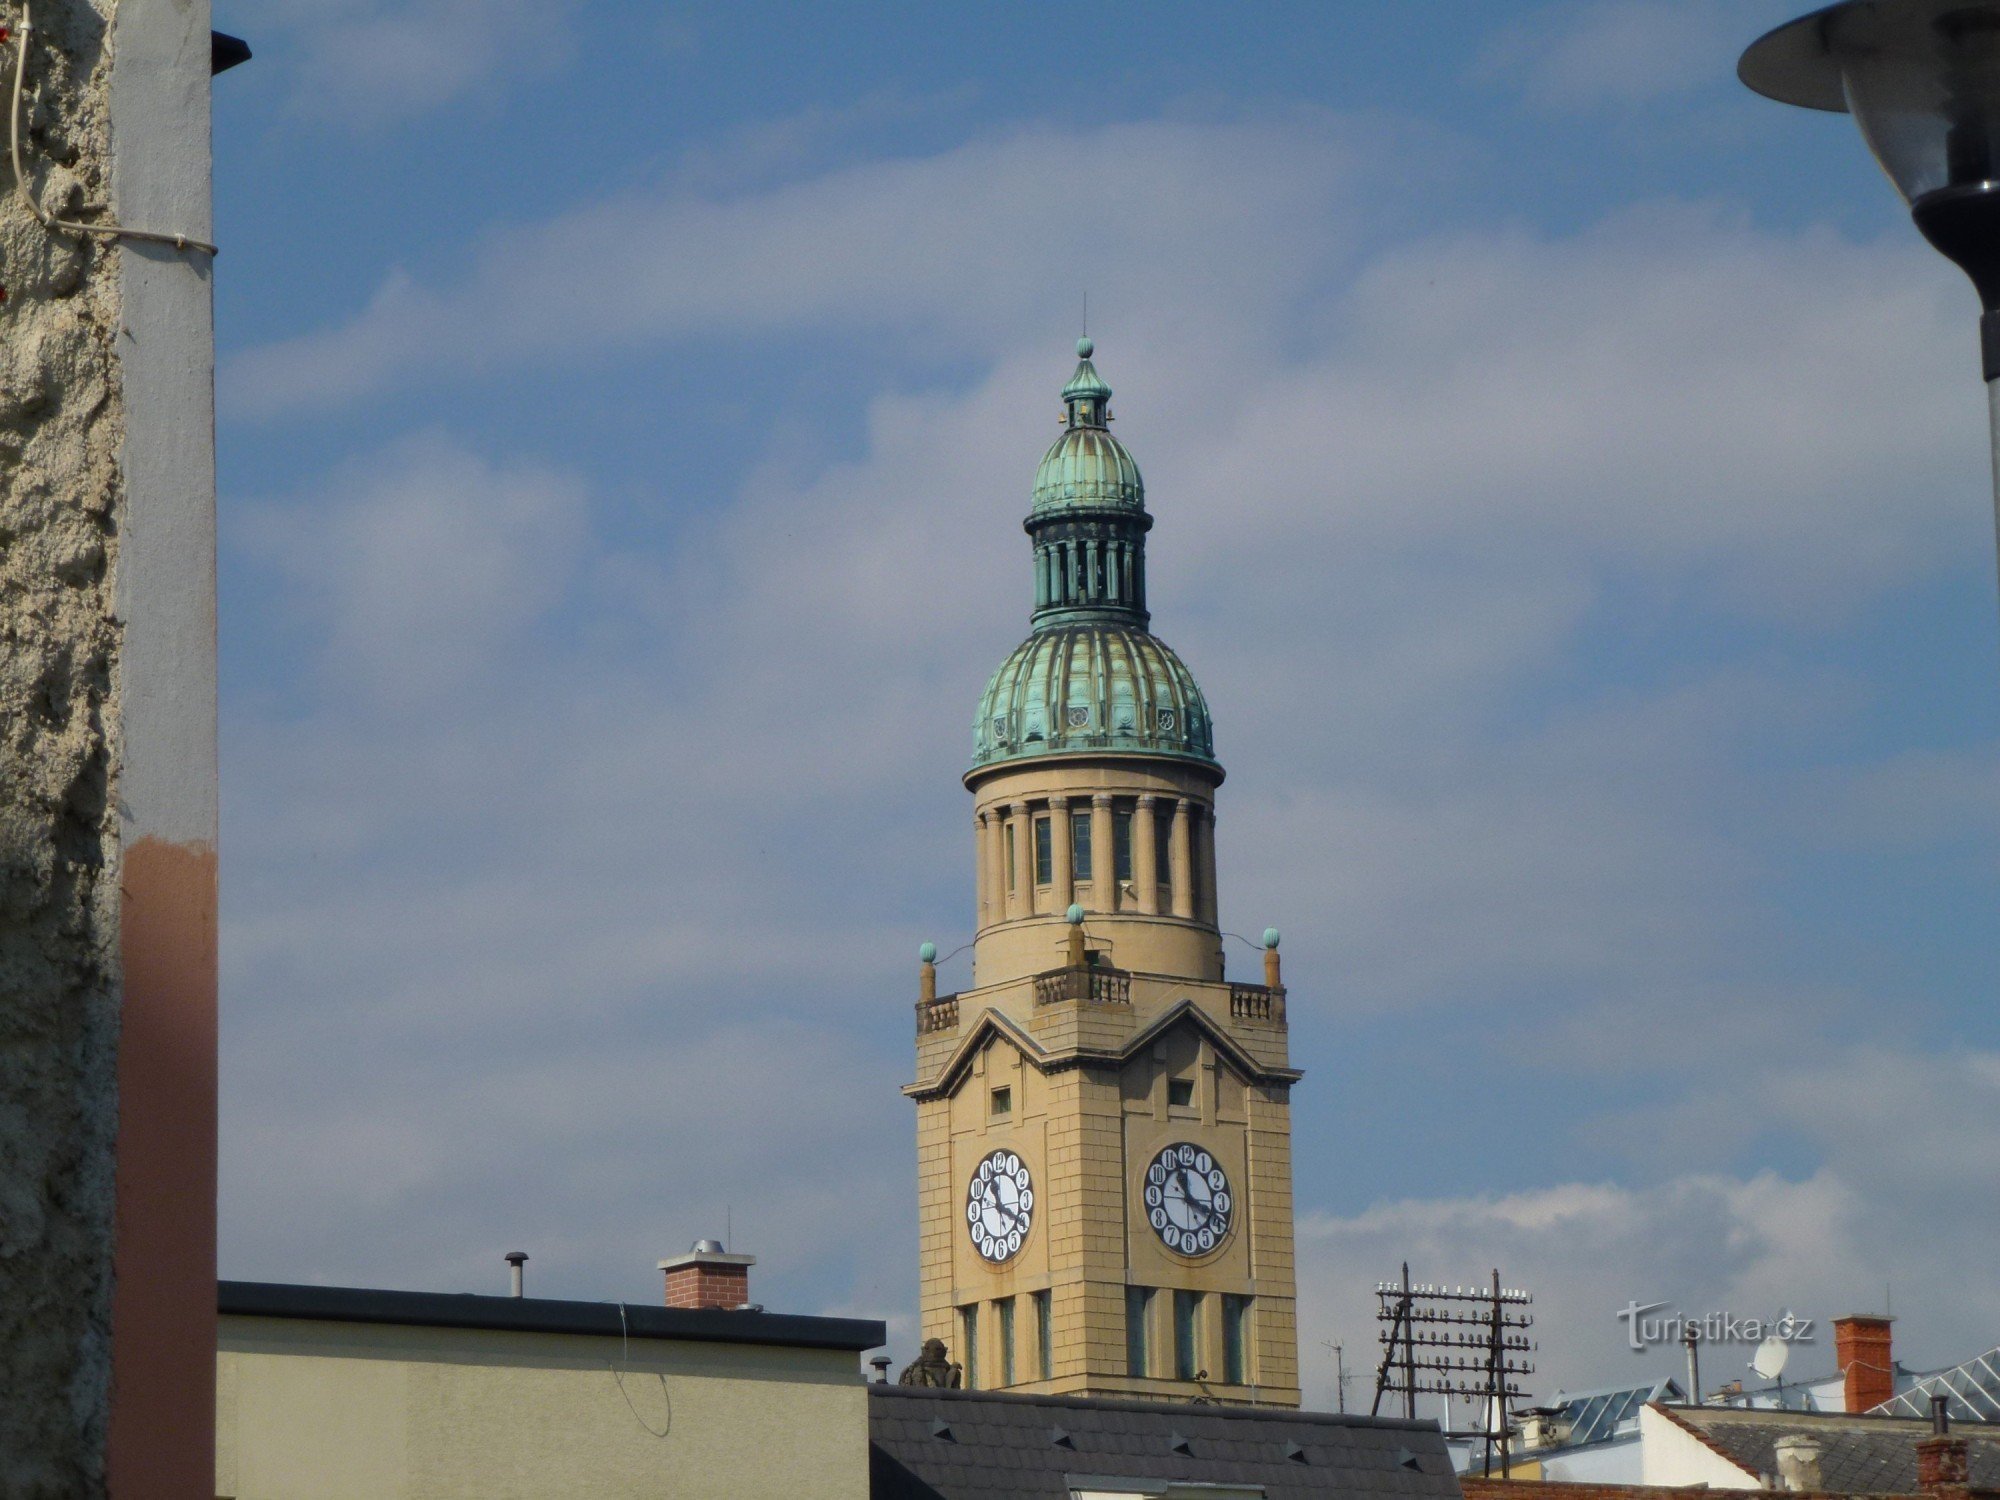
(1104, 1134)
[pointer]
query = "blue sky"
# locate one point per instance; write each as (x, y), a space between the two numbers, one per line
(1569, 473)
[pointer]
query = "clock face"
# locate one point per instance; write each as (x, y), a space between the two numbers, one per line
(1188, 1201)
(999, 1206)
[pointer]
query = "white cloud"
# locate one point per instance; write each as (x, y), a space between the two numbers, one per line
(369, 63)
(1901, 1138)
(543, 797)
(420, 1167)
(426, 563)
(1918, 799)
(1583, 54)
(960, 247)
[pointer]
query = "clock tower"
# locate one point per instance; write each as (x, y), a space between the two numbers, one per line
(1103, 1119)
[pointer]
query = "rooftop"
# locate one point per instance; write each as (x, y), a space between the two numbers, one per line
(956, 1445)
(639, 1320)
(1860, 1454)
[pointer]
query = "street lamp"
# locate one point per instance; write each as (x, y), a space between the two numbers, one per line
(1922, 80)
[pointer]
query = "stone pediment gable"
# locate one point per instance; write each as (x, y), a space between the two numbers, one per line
(992, 1025)
(997, 1025)
(1187, 1014)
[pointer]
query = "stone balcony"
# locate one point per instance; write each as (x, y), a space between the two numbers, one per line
(1257, 1002)
(1091, 984)
(940, 1014)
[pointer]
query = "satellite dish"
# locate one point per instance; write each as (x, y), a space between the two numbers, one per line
(1770, 1357)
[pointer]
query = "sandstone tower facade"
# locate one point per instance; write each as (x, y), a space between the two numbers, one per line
(1104, 1133)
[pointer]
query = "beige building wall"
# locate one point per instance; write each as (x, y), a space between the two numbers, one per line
(1084, 1067)
(349, 1411)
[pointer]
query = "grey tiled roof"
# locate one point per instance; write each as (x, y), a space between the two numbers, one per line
(978, 1445)
(1859, 1455)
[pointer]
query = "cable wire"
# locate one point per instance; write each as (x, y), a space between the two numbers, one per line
(43, 217)
(618, 1374)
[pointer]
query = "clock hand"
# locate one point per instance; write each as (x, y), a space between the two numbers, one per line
(1205, 1206)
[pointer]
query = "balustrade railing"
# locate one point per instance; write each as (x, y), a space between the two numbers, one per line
(1257, 1002)
(1098, 986)
(940, 1014)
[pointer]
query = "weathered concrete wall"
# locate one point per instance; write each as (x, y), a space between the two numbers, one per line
(60, 433)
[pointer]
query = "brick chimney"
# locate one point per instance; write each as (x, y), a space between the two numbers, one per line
(1942, 1464)
(1861, 1348)
(708, 1276)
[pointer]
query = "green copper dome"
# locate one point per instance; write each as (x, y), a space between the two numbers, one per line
(1091, 678)
(1087, 467)
(1080, 688)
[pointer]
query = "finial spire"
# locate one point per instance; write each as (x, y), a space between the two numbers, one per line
(1086, 399)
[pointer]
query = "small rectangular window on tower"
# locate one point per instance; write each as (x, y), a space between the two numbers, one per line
(1010, 857)
(1004, 1310)
(1235, 1339)
(1045, 854)
(1079, 845)
(1180, 1093)
(1187, 1335)
(1163, 853)
(1003, 1101)
(968, 1343)
(1045, 1353)
(1121, 843)
(1138, 1313)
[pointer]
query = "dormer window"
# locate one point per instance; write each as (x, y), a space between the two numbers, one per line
(1180, 1093)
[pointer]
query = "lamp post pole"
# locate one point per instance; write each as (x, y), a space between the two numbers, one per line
(1922, 80)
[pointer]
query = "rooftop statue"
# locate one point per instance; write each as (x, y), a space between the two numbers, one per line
(932, 1368)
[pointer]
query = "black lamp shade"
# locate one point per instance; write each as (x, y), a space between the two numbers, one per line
(1920, 77)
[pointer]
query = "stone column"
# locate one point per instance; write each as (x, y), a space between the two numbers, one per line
(979, 869)
(1062, 884)
(1204, 866)
(1146, 853)
(993, 852)
(1180, 857)
(982, 869)
(1103, 857)
(1020, 838)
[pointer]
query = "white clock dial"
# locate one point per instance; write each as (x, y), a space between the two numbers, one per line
(1188, 1200)
(999, 1206)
